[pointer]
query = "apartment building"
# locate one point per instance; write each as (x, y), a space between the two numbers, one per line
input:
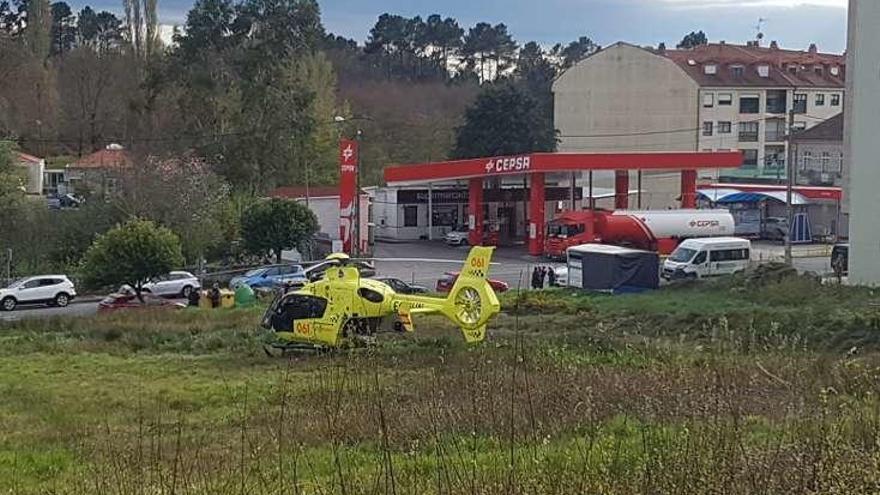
(713, 97)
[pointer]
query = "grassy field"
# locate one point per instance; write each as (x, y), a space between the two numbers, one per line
(750, 386)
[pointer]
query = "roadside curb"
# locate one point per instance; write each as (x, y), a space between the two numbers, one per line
(86, 299)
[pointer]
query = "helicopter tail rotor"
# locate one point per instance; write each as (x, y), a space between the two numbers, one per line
(472, 301)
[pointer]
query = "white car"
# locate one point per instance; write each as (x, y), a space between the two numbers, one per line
(456, 238)
(174, 284)
(54, 290)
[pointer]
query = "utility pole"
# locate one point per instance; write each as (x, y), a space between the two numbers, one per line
(356, 225)
(790, 171)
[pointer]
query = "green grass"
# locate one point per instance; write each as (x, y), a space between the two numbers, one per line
(705, 388)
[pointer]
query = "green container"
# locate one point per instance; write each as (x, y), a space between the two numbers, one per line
(244, 296)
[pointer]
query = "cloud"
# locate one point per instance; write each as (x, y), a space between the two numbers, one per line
(704, 4)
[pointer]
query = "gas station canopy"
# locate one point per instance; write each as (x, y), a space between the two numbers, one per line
(559, 162)
(536, 165)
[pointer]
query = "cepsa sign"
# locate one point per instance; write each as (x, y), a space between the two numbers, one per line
(509, 164)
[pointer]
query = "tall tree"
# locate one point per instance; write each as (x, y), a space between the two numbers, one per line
(273, 226)
(63, 28)
(100, 31)
(13, 16)
(444, 36)
(577, 50)
(39, 23)
(142, 28)
(504, 120)
(486, 43)
(692, 40)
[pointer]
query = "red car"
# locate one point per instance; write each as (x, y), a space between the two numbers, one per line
(445, 283)
(116, 302)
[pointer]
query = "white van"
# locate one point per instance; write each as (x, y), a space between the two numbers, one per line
(706, 257)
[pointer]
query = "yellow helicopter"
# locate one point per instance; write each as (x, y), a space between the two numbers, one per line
(343, 308)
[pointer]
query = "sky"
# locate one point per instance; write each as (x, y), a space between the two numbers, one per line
(793, 23)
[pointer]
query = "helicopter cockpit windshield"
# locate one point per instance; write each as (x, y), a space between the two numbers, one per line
(292, 307)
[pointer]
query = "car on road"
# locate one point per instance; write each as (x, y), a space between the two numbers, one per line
(402, 287)
(456, 238)
(175, 284)
(269, 277)
(54, 290)
(561, 272)
(447, 281)
(128, 301)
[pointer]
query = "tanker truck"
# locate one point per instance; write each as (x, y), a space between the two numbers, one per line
(660, 230)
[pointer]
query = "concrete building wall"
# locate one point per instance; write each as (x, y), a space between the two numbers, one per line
(626, 98)
(863, 151)
(626, 90)
(820, 163)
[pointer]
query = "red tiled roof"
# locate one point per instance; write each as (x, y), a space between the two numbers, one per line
(105, 158)
(24, 157)
(813, 69)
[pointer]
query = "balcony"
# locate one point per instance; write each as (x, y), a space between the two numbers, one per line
(748, 136)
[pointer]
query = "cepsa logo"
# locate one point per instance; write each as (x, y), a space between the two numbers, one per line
(705, 223)
(512, 164)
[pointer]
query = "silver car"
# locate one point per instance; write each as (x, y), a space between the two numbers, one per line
(456, 238)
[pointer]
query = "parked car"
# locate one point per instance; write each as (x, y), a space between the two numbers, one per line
(840, 258)
(561, 272)
(54, 290)
(456, 238)
(447, 281)
(774, 229)
(174, 284)
(270, 277)
(402, 287)
(128, 301)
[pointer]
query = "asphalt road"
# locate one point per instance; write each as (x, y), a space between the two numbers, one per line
(74, 309)
(511, 265)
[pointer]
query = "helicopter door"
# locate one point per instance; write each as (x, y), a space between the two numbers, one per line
(297, 307)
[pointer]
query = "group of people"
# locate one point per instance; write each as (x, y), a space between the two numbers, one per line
(542, 275)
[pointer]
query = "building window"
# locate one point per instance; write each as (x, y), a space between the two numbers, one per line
(792, 69)
(826, 160)
(710, 69)
(723, 127)
(835, 100)
(774, 130)
(800, 103)
(411, 216)
(818, 70)
(707, 128)
(820, 100)
(839, 163)
(806, 162)
(749, 104)
(737, 70)
(750, 158)
(764, 70)
(709, 100)
(725, 99)
(776, 101)
(748, 132)
(835, 70)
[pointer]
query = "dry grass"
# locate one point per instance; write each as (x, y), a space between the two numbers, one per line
(596, 396)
